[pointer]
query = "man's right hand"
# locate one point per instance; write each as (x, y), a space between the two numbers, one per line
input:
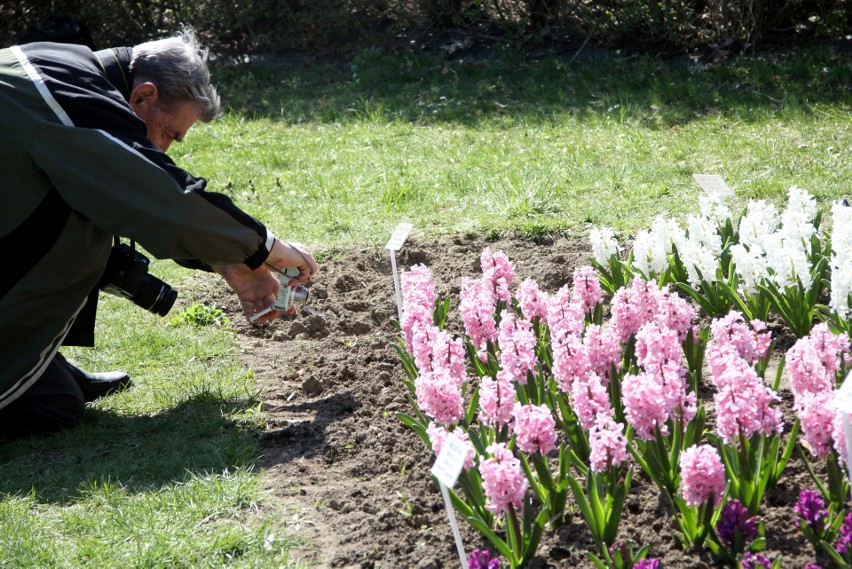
(257, 289)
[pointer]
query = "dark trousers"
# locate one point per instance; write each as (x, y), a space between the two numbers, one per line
(53, 403)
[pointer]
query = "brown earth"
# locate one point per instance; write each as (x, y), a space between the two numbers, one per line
(357, 480)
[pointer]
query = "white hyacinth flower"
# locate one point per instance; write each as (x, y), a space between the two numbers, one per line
(703, 232)
(649, 255)
(698, 259)
(788, 259)
(750, 266)
(604, 244)
(713, 207)
(797, 220)
(758, 224)
(667, 233)
(841, 258)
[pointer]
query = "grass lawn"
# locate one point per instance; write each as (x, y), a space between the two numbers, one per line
(336, 155)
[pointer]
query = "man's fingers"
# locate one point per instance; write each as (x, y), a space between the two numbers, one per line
(308, 265)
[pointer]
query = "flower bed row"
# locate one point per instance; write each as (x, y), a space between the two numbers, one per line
(555, 401)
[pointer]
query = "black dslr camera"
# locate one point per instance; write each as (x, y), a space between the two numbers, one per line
(127, 275)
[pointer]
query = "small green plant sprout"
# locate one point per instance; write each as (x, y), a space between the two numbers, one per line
(298, 520)
(407, 509)
(199, 314)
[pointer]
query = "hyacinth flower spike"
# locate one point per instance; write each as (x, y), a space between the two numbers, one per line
(614, 272)
(799, 263)
(841, 551)
(736, 531)
(819, 524)
(702, 491)
(482, 559)
(816, 365)
(607, 483)
(622, 556)
(503, 487)
(837, 312)
(748, 426)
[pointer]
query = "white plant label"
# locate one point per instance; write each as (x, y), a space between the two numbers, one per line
(843, 396)
(395, 243)
(399, 236)
(450, 461)
(446, 469)
(713, 185)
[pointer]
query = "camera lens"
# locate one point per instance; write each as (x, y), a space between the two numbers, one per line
(154, 295)
(298, 296)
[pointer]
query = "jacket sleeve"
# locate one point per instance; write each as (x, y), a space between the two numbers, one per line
(126, 187)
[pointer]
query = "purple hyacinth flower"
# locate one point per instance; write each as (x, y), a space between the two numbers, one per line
(647, 563)
(481, 559)
(811, 509)
(735, 517)
(755, 561)
(845, 538)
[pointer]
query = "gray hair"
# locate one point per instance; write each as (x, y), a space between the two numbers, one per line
(178, 67)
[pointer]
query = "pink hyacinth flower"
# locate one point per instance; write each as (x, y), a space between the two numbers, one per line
(806, 370)
(607, 443)
(517, 346)
(570, 360)
(831, 347)
(532, 300)
(503, 480)
(414, 317)
(603, 351)
(746, 411)
(535, 428)
(675, 313)
(496, 400)
(565, 316)
(437, 436)
(418, 301)
(817, 414)
(435, 349)
(657, 345)
(751, 341)
(439, 396)
(589, 398)
(498, 272)
(813, 361)
(644, 405)
(633, 306)
(586, 288)
(702, 475)
(477, 305)
(743, 403)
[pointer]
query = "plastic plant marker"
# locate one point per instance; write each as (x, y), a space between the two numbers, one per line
(446, 469)
(395, 243)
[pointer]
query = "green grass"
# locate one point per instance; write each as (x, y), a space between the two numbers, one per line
(160, 475)
(546, 145)
(336, 155)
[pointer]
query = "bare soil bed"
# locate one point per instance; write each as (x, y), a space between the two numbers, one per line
(357, 480)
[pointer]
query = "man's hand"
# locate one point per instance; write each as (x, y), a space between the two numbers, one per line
(286, 254)
(258, 289)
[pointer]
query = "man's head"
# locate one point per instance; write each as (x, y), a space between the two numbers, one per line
(171, 87)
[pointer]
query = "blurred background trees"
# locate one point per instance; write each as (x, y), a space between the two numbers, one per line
(347, 26)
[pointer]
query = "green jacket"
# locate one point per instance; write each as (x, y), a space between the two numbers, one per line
(76, 169)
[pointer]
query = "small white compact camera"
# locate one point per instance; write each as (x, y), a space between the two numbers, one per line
(289, 297)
